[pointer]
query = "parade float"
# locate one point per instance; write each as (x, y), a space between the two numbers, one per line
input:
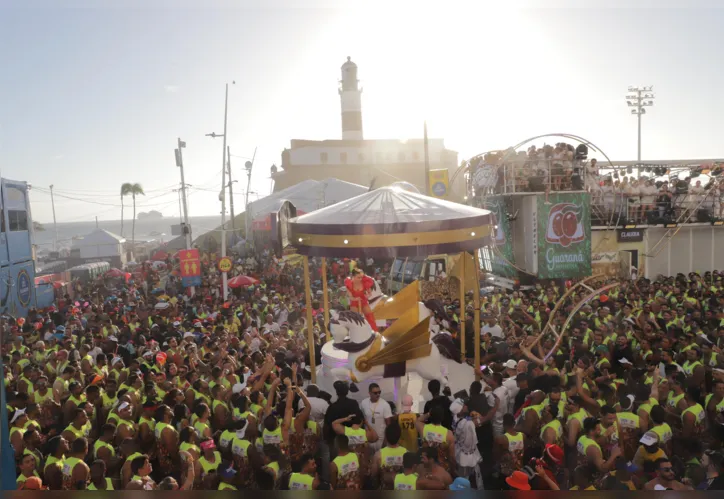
(389, 222)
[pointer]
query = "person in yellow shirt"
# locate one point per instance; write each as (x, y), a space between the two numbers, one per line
(407, 419)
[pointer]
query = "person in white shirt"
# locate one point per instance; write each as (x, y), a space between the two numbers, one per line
(493, 328)
(318, 405)
(377, 413)
(495, 382)
(648, 197)
(270, 325)
(510, 383)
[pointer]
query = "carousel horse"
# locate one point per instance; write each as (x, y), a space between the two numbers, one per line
(413, 352)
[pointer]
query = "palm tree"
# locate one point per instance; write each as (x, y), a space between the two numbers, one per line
(136, 190)
(125, 191)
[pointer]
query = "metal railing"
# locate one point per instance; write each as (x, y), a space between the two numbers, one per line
(649, 206)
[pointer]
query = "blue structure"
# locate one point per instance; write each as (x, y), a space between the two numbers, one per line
(17, 268)
(17, 288)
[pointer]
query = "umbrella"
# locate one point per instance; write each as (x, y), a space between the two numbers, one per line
(159, 256)
(115, 273)
(242, 281)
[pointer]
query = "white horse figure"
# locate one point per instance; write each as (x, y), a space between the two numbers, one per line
(352, 333)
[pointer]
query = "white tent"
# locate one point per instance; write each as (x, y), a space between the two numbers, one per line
(307, 196)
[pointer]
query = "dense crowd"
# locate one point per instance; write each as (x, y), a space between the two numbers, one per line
(138, 385)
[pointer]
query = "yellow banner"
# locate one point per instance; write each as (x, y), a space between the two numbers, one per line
(439, 184)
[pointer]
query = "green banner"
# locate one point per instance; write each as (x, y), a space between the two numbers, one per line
(564, 235)
(503, 256)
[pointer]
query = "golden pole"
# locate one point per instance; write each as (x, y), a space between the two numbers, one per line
(461, 319)
(476, 304)
(310, 325)
(326, 295)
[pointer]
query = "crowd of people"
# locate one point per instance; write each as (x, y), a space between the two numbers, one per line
(120, 388)
(642, 197)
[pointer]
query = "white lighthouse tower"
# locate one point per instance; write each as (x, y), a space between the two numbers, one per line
(351, 98)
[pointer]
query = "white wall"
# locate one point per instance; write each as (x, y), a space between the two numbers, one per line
(101, 250)
(695, 248)
(371, 153)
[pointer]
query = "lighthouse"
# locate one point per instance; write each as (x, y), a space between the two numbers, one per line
(351, 99)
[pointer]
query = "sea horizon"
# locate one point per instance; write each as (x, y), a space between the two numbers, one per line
(146, 229)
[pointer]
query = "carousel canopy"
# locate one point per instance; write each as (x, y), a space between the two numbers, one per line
(391, 222)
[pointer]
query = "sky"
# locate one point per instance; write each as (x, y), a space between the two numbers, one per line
(96, 93)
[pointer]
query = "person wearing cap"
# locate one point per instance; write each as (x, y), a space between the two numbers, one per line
(518, 481)
(18, 422)
(227, 476)
(210, 459)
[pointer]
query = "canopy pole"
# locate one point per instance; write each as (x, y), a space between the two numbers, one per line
(476, 304)
(310, 324)
(326, 295)
(461, 319)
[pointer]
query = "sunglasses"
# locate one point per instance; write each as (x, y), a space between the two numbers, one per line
(375, 393)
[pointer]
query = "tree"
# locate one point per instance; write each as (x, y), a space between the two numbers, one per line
(135, 190)
(125, 191)
(38, 227)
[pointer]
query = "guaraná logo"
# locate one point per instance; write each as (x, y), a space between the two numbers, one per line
(564, 225)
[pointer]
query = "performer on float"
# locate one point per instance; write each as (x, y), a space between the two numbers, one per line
(358, 288)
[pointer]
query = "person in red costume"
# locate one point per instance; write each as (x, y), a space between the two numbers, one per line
(358, 287)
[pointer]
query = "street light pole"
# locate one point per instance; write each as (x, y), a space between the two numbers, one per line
(222, 196)
(638, 99)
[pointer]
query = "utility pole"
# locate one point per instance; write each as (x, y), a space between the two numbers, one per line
(185, 227)
(180, 165)
(638, 99)
(222, 196)
(427, 162)
(231, 193)
(55, 223)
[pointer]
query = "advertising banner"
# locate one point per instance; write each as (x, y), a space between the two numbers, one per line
(564, 235)
(503, 255)
(190, 268)
(439, 184)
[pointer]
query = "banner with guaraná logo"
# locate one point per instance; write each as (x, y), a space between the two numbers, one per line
(564, 235)
(502, 256)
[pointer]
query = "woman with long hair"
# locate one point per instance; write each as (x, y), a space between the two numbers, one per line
(358, 288)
